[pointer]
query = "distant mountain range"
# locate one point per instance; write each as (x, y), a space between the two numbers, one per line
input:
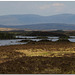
(36, 19)
(36, 22)
(44, 26)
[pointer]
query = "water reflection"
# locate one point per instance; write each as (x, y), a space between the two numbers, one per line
(71, 40)
(53, 37)
(11, 42)
(29, 37)
(72, 36)
(33, 38)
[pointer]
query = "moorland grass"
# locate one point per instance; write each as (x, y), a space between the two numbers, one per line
(39, 58)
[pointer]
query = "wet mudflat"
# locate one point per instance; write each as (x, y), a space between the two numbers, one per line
(38, 58)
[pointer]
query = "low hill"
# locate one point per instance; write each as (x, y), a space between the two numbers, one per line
(46, 26)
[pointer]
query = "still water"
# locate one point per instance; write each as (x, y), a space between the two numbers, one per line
(33, 38)
(11, 42)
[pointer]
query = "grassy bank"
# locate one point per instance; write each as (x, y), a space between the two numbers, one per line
(39, 58)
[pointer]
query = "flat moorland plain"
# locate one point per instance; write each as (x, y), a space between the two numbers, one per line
(38, 58)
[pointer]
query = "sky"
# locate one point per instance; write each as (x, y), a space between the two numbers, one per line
(43, 8)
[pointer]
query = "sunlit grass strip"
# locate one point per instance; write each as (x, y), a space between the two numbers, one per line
(45, 53)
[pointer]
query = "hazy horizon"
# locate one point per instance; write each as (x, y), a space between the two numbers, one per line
(42, 8)
(38, 14)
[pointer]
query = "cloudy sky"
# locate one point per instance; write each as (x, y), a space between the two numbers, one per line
(44, 8)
